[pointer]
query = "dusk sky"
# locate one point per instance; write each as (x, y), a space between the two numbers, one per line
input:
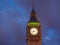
(14, 15)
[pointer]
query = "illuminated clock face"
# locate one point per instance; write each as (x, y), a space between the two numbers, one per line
(33, 31)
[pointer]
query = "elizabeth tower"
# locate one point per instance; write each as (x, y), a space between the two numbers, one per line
(33, 30)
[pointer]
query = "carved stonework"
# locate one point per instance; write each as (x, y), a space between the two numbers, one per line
(33, 39)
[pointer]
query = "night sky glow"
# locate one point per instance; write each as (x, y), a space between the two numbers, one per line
(14, 15)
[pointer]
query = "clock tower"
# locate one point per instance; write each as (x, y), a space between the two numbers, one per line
(33, 30)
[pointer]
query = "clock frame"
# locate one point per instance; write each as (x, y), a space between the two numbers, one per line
(34, 31)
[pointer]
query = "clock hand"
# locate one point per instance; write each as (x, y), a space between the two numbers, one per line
(33, 31)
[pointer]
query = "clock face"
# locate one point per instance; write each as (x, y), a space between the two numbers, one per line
(33, 31)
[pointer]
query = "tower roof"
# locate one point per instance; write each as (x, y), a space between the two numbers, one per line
(33, 14)
(33, 11)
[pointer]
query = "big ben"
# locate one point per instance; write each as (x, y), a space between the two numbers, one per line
(33, 30)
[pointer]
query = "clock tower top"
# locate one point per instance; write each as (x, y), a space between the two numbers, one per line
(33, 14)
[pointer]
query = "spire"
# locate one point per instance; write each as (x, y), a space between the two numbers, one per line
(33, 10)
(33, 14)
(33, 5)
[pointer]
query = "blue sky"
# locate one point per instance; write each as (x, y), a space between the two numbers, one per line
(14, 15)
